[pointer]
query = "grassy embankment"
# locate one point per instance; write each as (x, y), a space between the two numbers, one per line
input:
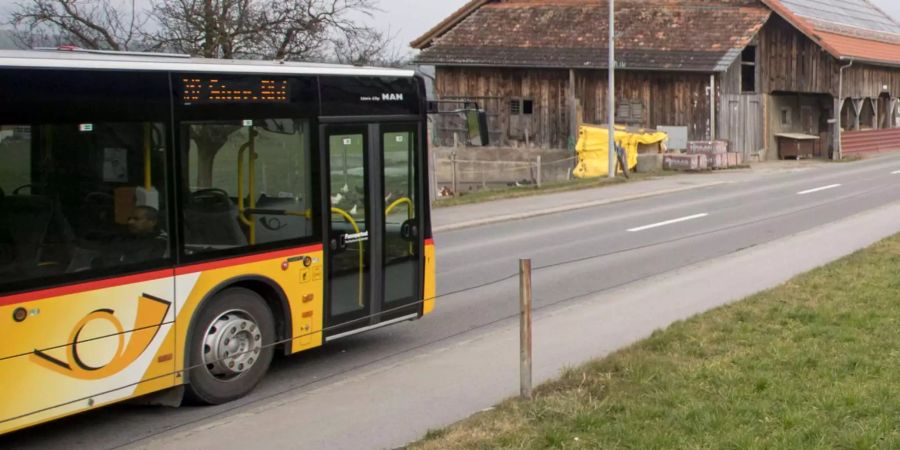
(812, 364)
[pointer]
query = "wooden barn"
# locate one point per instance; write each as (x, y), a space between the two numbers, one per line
(757, 73)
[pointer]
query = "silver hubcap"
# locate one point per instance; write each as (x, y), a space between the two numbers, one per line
(232, 345)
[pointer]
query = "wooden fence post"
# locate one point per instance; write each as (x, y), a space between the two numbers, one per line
(455, 181)
(525, 328)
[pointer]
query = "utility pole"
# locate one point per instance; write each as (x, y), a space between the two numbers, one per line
(612, 89)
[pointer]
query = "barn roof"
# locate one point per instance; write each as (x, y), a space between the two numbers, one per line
(848, 29)
(689, 35)
(672, 35)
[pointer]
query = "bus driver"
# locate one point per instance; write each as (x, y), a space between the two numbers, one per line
(145, 240)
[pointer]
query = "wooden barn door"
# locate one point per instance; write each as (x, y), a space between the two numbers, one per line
(741, 123)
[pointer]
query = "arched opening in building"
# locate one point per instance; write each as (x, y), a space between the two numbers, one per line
(867, 115)
(885, 111)
(848, 115)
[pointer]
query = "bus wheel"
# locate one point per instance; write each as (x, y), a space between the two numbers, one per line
(231, 347)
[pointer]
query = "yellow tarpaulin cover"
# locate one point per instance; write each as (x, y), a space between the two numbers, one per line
(593, 143)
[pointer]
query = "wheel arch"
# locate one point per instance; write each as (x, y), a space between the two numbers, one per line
(271, 293)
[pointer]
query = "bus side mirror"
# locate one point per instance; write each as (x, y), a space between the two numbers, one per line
(478, 127)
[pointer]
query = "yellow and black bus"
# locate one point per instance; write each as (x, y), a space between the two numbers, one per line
(168, 223)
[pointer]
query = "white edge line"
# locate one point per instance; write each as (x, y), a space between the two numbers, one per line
(568, 208)
(823, 188)
(668, 222)
(896, 172)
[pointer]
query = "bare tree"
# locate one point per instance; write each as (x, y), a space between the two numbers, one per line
(266, 29)
(367, 47)
(255, 29)
(250, 29)
(92, 24)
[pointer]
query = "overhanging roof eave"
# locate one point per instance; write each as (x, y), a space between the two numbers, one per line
(869, 61)
(568, 67)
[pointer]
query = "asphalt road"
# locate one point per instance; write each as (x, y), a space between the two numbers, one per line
(575, 254)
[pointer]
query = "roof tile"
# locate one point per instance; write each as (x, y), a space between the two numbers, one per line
(668, 35)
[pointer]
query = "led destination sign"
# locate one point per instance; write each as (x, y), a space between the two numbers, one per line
(197, 90)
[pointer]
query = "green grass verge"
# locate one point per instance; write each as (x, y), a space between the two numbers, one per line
(548, 188)
(812, 364)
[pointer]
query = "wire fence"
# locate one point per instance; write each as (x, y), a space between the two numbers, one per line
(469, 289)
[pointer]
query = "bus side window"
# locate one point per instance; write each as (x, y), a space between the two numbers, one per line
(78, 198)
(249, 185)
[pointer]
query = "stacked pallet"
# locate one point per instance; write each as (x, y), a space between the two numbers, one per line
(704, 155)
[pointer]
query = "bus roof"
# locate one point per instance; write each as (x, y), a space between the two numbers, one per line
(80, 59)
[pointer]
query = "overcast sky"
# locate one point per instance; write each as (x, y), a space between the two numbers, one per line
(404, 19)
(408, 19)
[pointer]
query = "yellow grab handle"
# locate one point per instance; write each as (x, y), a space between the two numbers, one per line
(398, 202)
(355, 226)
(251, 146)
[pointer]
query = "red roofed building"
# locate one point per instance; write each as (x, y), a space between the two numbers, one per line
(740, 70)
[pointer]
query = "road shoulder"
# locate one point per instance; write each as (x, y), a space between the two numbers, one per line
(394, 403)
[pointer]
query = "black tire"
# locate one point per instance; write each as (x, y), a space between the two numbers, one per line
(211, 380)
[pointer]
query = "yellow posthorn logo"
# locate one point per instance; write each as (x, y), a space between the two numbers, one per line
(151, 315)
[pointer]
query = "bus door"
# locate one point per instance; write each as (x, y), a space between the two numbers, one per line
(373, 244)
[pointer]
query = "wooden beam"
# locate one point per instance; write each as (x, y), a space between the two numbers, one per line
(712, 107)
(572, 106)
(857, 108)
(892, 113)
(836, 126)
(874, 103)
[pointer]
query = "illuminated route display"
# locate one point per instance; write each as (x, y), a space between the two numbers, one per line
(211, 90)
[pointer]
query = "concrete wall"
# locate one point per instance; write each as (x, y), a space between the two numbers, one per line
(477, 167)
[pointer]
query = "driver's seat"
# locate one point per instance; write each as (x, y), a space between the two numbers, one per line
(211, 219)
(34, 236)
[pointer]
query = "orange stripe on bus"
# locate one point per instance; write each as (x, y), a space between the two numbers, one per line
(84, 287)
(150, 276)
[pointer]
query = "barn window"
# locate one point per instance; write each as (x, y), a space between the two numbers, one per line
(629, 111)
(748, 69)
(786, 116)
(521, 106)
(515, 106)
(521, 118)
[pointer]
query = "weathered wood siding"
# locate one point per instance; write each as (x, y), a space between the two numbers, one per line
(861, 81)
(546, 88)
(730, 82)
(791, 62)
(741, 123)
(675, 99)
